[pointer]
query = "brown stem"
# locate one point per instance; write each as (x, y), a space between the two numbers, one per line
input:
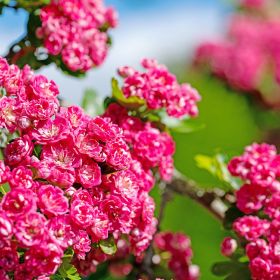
(13, 55)
(209, 200)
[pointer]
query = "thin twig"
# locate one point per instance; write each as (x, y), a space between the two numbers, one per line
(209, 200)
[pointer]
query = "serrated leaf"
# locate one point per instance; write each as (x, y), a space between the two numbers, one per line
(217, 166)
(131, 102)
(67, 270)
(108, 246)
(91, 103)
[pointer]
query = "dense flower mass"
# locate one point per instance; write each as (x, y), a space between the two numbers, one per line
(77, 31)
(178, 246)
(258, 199)
(150, 148)
(160, 89)
(73, 180)
(250, 53)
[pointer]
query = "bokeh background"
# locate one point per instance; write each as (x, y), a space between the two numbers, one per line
(169, 30)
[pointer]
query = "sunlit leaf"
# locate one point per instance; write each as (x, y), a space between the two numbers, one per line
(108, 246)
(217, 166)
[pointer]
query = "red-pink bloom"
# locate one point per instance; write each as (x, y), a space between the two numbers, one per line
(251, 227)
(21, 177)
(9, 258)
(6, 227)
(250, 198)
(119, 214)
(18, 151)
(179, 248)
(4, 173)
(88, 144)
(272, 206)
(99, 230)
(43, 88)
(160, 89)
(51, 131)
(44, 258)
(82, 213)
(18, 202)
(81, 244)
(89, 174)
(61, 154)
(51, 200)
(228, 246)
(30, 229)
(60, 230)
(118, 155)
(77, 31)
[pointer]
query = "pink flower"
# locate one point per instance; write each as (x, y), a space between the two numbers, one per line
(250, 198)
(45, 258)
(251, 227)
(9, 258)
(61, 154)
(30, 229)
(89, 174)
(166, 168)
(21, 177)
(118, 213)
(44, 88)
(88, 144)
(77, 31)
(18, 202)
(51, 131)
(6, 227)
(118, 155)
(99, 230)
(4, 173)
(18, 151)
(228, 246)
(82, 213)
(51, 201)
(160, 89)
(60, 230)
(103, 129)
(81, 244)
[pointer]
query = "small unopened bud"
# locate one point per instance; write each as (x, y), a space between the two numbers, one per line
(228, 246)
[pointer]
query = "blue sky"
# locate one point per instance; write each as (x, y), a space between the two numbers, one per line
(163, 29)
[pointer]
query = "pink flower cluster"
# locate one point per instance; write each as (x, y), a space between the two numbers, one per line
(178, 246)
(77, 31)
(73, 180)
(253, 3)
(26, 99)
(150, 147)
(248, 55)
(160, 89)
(259, 200)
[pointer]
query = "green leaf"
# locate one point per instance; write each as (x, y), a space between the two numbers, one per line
(67, 270)
(57, 277)
(131, 102)
(223, 268)
(91, 103)
(217, 166)
(241, 272)
(4, 188)
(108, 246)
